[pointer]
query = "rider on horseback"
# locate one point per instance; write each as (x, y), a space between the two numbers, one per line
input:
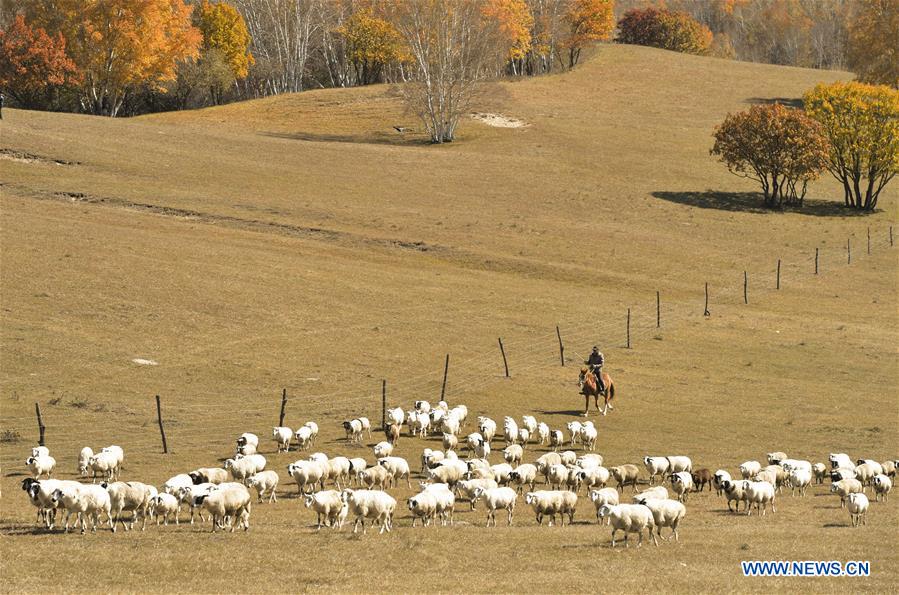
(595, 362)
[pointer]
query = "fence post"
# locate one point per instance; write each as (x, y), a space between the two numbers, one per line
(40, 424)
(848, 252)
(503, 351)
(706, 311)
(445, 372)
(778, 274)
(561, 347)
(745, 287)
(869, 241)
(816, 261)
(383, 404)
(283, 406)
(658, 309)
(165, 445)
(628, 328)
(891, 235)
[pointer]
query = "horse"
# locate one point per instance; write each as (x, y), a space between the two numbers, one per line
(587, 383)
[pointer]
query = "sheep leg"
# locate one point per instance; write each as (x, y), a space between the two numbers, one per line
(614, 530)
(511, 510)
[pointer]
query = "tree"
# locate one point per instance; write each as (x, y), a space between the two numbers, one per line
(781, 148)
(371, 44)
(862, 123)
(515, 24)
(588, 20)
(662, 28)
(454, 45)
(33, 64)
(120, 45)
(225, 30)
(874, 42)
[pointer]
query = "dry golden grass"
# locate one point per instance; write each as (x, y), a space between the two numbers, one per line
(300, 242)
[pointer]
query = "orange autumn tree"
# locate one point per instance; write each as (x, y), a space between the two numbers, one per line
(120, 45)
(874, 41)
(226, 55)
(515, 24)
(588, 21)
(33, 64)
(372, 43)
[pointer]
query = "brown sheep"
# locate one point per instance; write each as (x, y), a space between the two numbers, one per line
(624, 475)
(701, 477)
(393, 433)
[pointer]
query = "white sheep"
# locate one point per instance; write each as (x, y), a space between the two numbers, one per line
(602, 497)
(889, 468)
(131, 496)
(865, 472)
(174, 484)
(119, 453)
(449, 441)
(446, 500)
(40, 451)
(556, 439)
(398, 468)
(232, 501)
(568, 457)
(589, 435)
(247, 438)
(799, 479)
(750, 469)
(482, 450)
(340, 468)
(512, 454)
(542, 433)
(653, 493)
(487, 428)
(497, 498)
(84, 501)
(327, 505)
(523, 436)
(858, 509)
(718, 480)
(529, 422)
(656, 466)
(396, 416)
(40, 493)
(314, 428)
(666, 513)
(308, 473)
(246, 450)
(473, 440)
(594, 477)
(265, 483)
(681, 484)
(574, 431)
(188, 494)
(775, 458)
(382, 449)
(501, 473)
(510, 430)
(370, 504)
(165, 505)
(875, 466)
(430, 458)
(760, 493)
(677, 464)
(450, 424)
(558, 476)
(366, 425)
(882, 487)
(422, 406)
(375, 477)
(550, 503)
(630, 518)
(840, 459)
(104, 464)
(819, 470)
(547, 460)
(422, 506)
(215, 475)
(283, 436)
(40, 465)
(467, 488)
(303, 437)
(84, 459)
(525, 474)
(353, 428)
(241, 469)
(735, 491)
(460, 412)
(589, 461)
(844, 487)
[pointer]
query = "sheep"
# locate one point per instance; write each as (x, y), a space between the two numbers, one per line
(460, 412)
(423, 424)
(214, 475)
(889, 468)
(423, 506)
(819, 471)
(487, 428)
(319, 457)
(568, 457)
(339, 468)
(304, 438)
(435, 418)
(40, 465)
(164, 505)
(858, 509)
(594, 477)
(246, 450)
(799, 480)
(412, 423)
(398, 468)
(283, 437)
(497, 498)
(448, 474)
(308, 473)
(790, 464)
(842, 473)
(882, 487)
(363, 504)
(677, 464)
(40, 493)
(446, 500)
(589, 461)
(865, 472)
(547, 460)
(523, 436)
(374, 477)
(602, 497)
(701, 478)
(574, 431)
(40, 451)
(876, 467)
(759, 493)
(396, 416)
(84, 458)
(524, 474)
(357, 466)
(589, 435)
(624, 475)
(353, 428)
(666, 513)
(573, 482)
(83, 500)
(529, 422)
(243, 468)
(132, 496)
(382, 449)
(189, 493)
(681, 483)
(630, 518)
(840, 459)
(844, 487)
(264, 482)
(735, 491)
(430, 457)
(313, 427)
(718, 480)
(750, 469)
(501, 473)
(467, 488)
(542, 433)
(556, 439)
(551, 503)
(775, 474)
(230, 502)
(105, 464)
(775, 458)
(510, 430)
(450, 424)
(512, 454)
(654, 493)
(119, 454)
(557, 476)
(656, 466)
(174, 484)
(482, 450)
(478, 464)
(327, 505)
(449, 441)
(247, 438)
(422, 406)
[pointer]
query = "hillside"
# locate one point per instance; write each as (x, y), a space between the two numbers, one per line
(299, 242)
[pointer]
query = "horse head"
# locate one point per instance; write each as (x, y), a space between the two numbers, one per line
(582, 377)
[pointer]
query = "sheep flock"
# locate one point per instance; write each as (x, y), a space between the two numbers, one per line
(492, 466)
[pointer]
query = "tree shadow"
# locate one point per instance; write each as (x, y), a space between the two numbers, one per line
(753, 202)
(372, 138)
(786, 101)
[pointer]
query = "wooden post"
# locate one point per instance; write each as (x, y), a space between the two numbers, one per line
(848, 252)
(745, 287)
(383, 404)
(628, 328)
(891, 235)
(816, 261)
(283, 406)
(706, 311)
(561, 347)
(778, 274)
(445, 372)
(869, 241)
(165, 445)
(503, 351)
(40, 424)
(658, 309)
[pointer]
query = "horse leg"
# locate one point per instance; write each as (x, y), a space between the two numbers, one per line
(586, 404)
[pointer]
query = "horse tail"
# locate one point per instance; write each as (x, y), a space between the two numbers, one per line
(611, 390)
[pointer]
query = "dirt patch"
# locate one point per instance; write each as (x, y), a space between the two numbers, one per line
(23, 157)
(144, 362)
(498, 120)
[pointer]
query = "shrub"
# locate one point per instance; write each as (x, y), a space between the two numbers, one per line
(662, 28)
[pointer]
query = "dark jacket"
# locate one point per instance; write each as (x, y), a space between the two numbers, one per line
(595, 359)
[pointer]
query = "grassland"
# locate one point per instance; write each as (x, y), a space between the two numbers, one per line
(298, 242)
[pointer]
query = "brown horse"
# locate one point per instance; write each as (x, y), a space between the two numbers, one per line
(587, 383)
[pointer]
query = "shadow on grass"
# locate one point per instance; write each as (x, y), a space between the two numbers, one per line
(375, 138)
(563, 412)
(787, 101)
(753, 202)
